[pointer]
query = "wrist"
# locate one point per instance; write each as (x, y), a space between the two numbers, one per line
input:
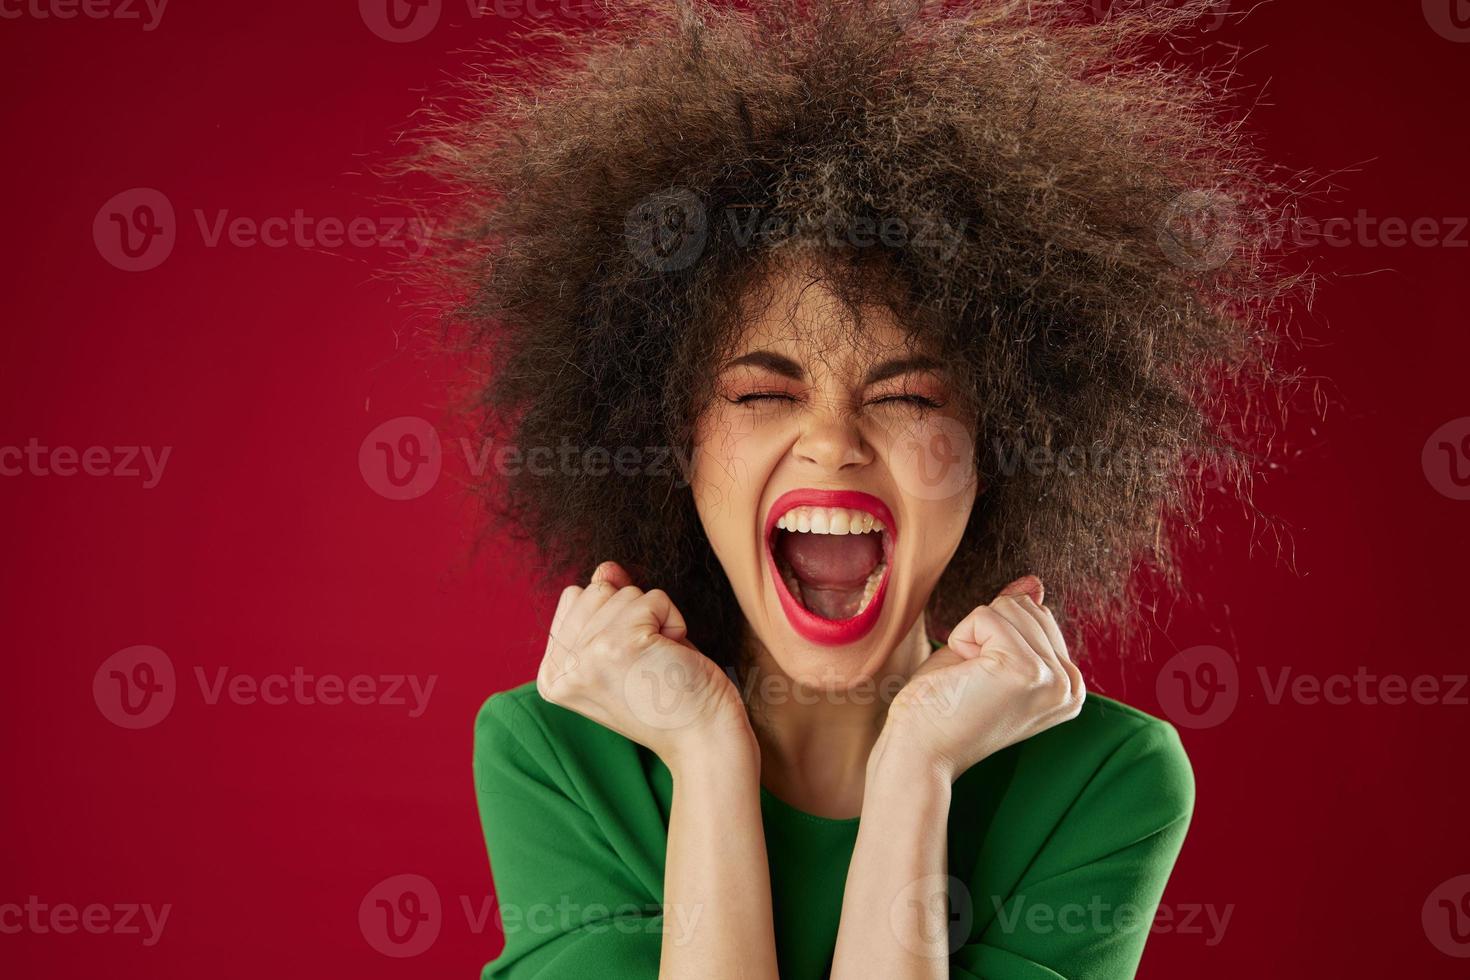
(905, 777)
(720, 749)
(899, 757)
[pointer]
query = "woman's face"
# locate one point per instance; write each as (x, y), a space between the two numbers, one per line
(834, 476)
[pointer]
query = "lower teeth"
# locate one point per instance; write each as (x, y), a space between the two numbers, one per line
(870, 589)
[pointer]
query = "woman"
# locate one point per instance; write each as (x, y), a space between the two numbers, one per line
(903, 290)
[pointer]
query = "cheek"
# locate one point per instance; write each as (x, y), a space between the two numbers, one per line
(931, 459)
(728, 470)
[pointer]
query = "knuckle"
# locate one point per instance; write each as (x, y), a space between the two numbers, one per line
(993, 661)
(602, 646)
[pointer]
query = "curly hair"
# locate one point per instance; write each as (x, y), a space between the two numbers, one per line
(1065, 212)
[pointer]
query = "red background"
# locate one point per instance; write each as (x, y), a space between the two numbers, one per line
(1322, 828)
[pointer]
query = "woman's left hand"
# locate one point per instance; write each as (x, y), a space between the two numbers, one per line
(1004, 676)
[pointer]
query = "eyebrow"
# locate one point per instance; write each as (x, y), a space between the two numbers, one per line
(787, 368)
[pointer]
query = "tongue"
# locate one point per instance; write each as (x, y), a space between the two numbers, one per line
(832, 569)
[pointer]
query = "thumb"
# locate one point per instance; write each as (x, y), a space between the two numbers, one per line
(1026, 585)
(613, 574)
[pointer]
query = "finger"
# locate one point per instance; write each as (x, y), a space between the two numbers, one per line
(613, 574)
(583, 608)
(1026, 585)
(568, 596)
(1048, 623)
(1013, 612)
(986, 631)
(611, 610)
(557, 658)
(666, 617)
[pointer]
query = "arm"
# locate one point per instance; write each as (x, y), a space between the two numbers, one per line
(571, 906)
(1083, 909)
(895, 915)
(717, 883)
(1004, 676)
(620, 657)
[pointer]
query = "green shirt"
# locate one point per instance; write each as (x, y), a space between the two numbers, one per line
(1060, 845)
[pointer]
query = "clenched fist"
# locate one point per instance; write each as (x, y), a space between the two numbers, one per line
(620, 656)
(1004, 676)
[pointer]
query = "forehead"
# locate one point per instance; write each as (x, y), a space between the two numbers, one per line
(798, 313)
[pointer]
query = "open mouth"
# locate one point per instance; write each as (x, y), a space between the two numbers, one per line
(830, 553)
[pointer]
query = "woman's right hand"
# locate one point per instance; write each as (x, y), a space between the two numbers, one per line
(620, 656)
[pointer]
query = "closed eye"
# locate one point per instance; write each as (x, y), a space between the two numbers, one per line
(921, 401)
(757, 396)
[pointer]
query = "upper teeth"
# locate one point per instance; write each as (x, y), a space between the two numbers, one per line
(828, 520)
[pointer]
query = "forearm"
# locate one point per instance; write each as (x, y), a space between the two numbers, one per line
(895, 913)
(717, 884)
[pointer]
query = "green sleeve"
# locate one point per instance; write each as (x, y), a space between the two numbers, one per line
(569, 906)
(1084, 906)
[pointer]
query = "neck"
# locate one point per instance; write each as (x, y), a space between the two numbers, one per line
(815, 735)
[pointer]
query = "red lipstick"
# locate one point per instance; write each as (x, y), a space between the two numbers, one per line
(809, 625)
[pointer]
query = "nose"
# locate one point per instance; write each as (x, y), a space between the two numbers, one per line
(832, 442)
